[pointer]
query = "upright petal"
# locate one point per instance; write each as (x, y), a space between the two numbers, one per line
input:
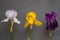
(16, 21)
(47, 17)
(11, 13)
(5, 20)
(53, 15)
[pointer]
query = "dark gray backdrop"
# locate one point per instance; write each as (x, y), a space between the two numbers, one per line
(22, 7)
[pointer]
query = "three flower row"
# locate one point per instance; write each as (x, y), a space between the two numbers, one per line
(32, 19)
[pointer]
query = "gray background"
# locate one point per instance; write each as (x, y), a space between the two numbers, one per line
(22, 7)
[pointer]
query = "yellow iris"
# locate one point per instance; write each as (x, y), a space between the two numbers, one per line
(31, 19)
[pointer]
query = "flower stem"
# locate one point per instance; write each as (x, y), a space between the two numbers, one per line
(11, 29)
(29, 38)
(50, 34)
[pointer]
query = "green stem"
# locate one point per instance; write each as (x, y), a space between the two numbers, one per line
(11, 29)
(50, 34)
(29, 38)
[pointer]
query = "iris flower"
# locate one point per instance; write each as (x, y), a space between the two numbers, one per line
(51, 22)
(11, 15)
(30, 20)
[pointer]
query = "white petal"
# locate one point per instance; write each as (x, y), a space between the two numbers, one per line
(11, 13)
(15, 13)
(5, 20)
(16, 21)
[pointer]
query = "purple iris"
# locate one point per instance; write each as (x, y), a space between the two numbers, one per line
(51, 21)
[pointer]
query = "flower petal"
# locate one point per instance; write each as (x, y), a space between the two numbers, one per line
(16, 21)
(26, 25)
(5, 20)
(11, 13)
(38, 23)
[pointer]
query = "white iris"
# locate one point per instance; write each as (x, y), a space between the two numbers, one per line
(11, 14)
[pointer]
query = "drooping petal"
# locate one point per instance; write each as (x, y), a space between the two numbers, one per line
(52, 25)
(38, 23)
(26, 25)
(5, 20)
(16, 21)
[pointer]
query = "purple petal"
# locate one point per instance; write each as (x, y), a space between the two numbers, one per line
(47, 17)
(52, 25)
(53, 15)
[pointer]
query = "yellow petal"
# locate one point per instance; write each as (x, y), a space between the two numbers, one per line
(30, 21)
(26, 25)
(38, 23)
(31, 15)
